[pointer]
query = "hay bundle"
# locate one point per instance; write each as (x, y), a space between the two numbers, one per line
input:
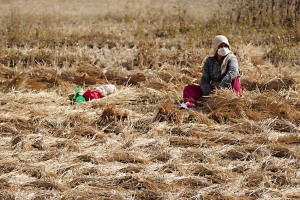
(224, 106)
(271, 104)
(198, 117)
(166, 112)
(111, 114)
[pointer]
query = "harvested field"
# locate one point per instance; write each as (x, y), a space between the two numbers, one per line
(136, 143)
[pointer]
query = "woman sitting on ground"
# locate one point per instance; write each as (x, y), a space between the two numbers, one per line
(220, 71)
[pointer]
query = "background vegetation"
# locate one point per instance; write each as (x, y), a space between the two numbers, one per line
(136, 143)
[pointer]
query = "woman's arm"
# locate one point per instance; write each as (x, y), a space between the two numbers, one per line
(231, 73)
(205, 79)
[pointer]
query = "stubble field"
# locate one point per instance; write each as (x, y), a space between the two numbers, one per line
(136, 143)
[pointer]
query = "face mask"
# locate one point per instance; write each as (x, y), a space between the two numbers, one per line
(223, 51)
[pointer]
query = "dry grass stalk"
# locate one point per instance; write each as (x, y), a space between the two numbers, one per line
(125, 157)
(4, 185)
(46, 185)
(162, 157)
(131, 169)
(198, 117)
(191, 182)
(111, 114)
(281, 151)
(184, 142)
(290, 139)
(149, 194)
(195, 156)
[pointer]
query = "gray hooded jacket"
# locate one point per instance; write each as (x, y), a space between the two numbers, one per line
(212, 72)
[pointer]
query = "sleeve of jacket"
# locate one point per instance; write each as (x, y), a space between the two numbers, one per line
(231, 73)
(205, 79)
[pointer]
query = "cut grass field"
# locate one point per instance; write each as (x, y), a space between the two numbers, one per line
(136, 143)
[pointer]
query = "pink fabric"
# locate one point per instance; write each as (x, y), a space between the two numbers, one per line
(92, 94)
(193, 93)
(236, 86)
